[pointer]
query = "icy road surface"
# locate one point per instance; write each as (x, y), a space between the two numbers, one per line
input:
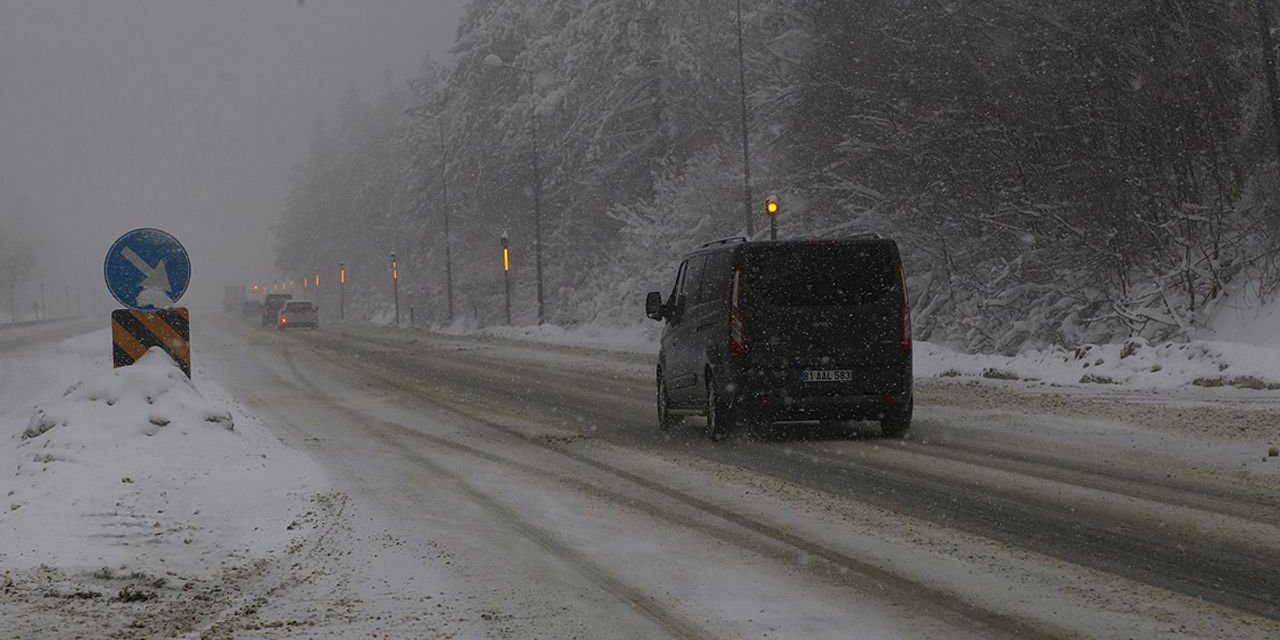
(487, 488)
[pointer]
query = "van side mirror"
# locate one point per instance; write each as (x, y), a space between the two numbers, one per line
(653, 305)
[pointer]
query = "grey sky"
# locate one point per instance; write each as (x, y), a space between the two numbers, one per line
(182, 114)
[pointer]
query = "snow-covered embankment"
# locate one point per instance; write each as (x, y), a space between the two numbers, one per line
(137, 469)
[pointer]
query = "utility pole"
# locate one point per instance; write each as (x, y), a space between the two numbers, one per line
(493, 60)
(444, 193)
(746, 145)
(1269, 66)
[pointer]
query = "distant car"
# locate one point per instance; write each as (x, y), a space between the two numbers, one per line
(760, 332)
(271, 306)
(298, 314)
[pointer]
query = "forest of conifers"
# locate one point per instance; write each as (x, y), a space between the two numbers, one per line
(1055, 171)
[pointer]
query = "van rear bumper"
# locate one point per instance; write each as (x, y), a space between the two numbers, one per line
(847, 407)
(765, 398)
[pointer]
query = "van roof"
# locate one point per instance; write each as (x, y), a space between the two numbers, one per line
(732, 244)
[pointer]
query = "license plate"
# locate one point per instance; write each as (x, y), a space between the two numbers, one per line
(842, 375)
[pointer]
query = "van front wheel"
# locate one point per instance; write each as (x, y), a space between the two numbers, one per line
(665, 418)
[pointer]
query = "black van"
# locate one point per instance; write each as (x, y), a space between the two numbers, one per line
(778, 331)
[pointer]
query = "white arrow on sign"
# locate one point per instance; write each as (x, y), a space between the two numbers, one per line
(153, 277)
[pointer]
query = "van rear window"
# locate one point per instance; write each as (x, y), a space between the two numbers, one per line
(821, 275)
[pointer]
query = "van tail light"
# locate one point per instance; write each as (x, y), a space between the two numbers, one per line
(906, 312)
(284, 320)
(737, 320)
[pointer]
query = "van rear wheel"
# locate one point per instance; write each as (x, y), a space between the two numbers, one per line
(718, 415)
(895, 422)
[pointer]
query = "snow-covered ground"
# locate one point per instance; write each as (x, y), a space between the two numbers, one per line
(131, 483)
(1135, 364)
(475, 415)
(478, 485)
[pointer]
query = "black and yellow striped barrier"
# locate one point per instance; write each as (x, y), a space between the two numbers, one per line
(133, 332)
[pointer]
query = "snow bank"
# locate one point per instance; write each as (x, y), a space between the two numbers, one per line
(108, 409)
(136, 467)
(1135, 363)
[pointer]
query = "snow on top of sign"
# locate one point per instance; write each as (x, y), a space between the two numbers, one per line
(154, 298)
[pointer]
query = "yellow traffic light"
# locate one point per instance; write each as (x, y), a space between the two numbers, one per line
(506, 259)
(771, 206)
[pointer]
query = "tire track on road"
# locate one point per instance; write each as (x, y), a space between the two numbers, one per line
(675, 625)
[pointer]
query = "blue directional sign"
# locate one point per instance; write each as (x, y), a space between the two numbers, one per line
(147, 269)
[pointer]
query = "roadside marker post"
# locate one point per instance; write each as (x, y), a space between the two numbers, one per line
(148, 270)
(506, 272)
(134, 332)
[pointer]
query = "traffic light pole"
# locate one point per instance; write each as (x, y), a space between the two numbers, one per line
(537, 203)
(772, 207)
(746, 144)
(493, 60)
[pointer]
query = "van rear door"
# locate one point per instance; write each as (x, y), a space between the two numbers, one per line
(823, 305)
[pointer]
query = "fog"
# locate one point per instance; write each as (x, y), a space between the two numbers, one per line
(182, 115)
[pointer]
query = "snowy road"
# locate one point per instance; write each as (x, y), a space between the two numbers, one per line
(493, 488)
(467, 487)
